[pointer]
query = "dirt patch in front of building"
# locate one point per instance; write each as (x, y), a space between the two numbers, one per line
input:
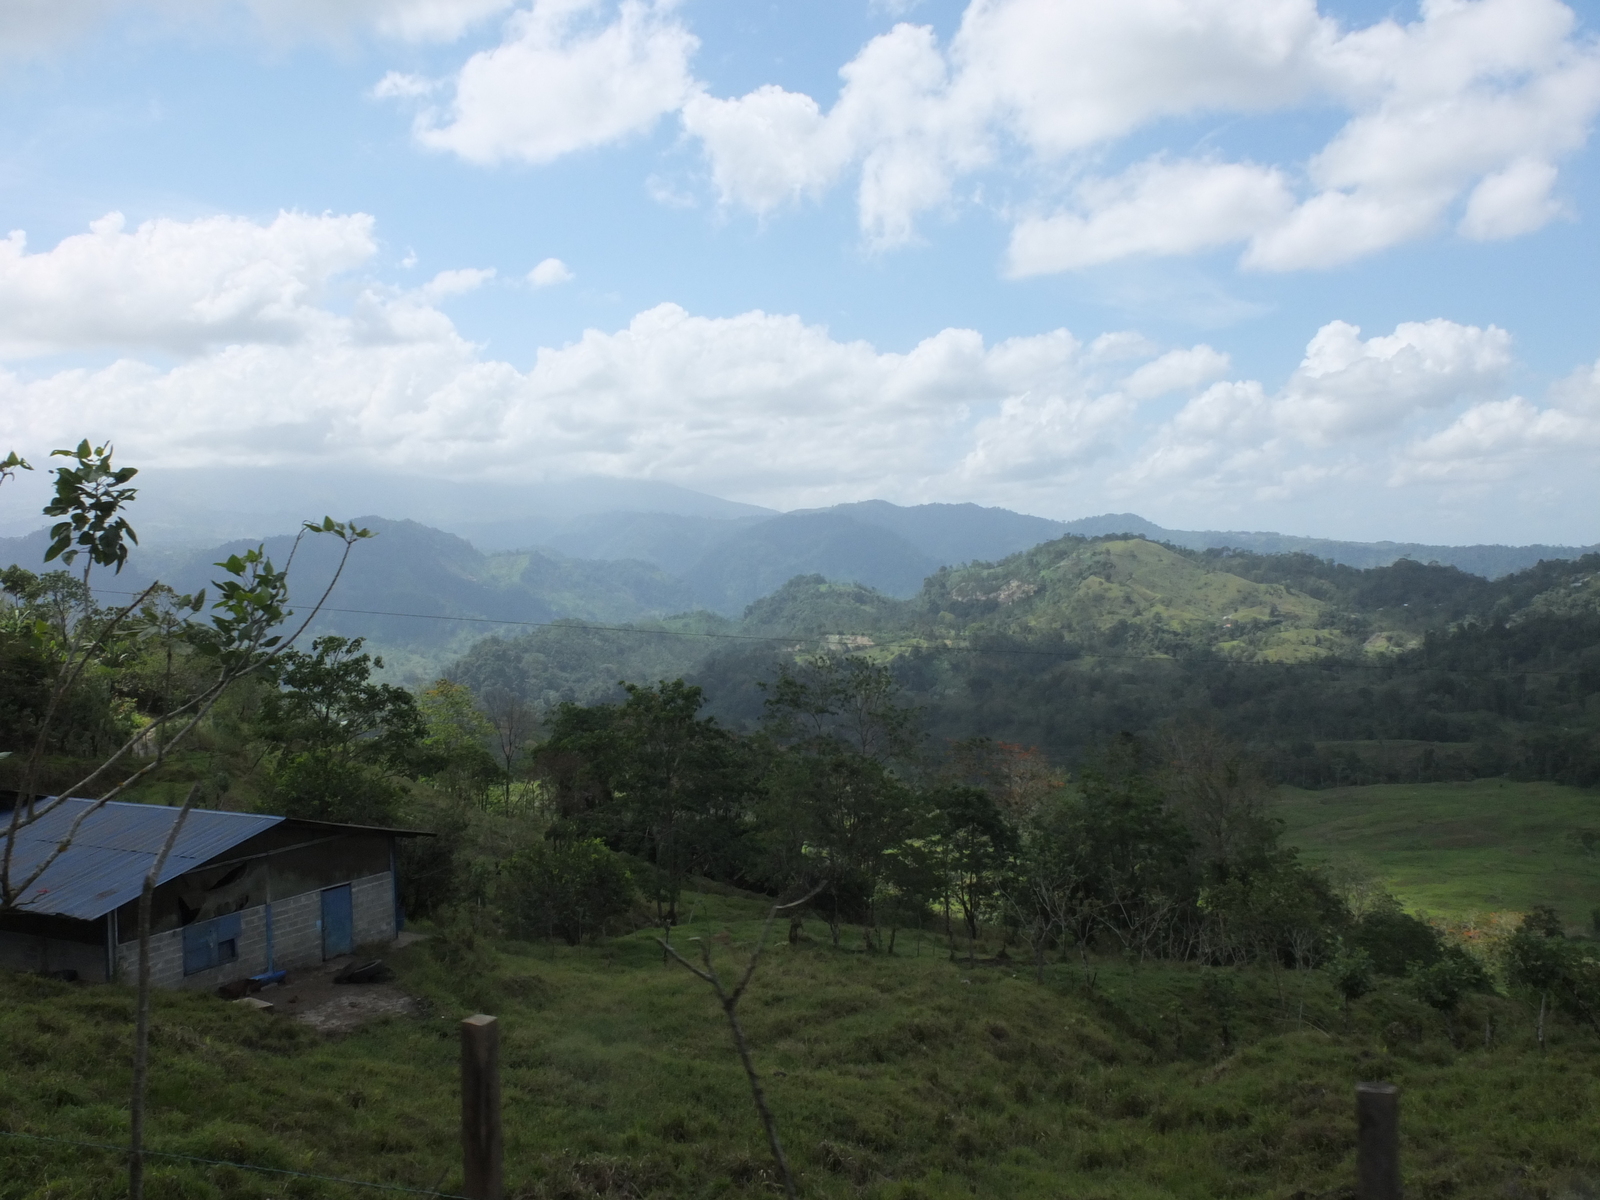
(310, 995)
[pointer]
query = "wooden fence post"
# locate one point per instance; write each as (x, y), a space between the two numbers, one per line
(1377, 1141)
(482, 1148)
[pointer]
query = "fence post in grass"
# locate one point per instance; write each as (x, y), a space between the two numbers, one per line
(1377, 1141)
(482, 1147)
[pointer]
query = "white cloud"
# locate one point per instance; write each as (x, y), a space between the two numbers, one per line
(406, 20)
(569, 74)
(1474, 102)
(1499, 439)
(1348, 387)
(895, 121)
(1512, 202)
(1327, 420)
(1176, 371)
(456, 283)
(30, 27)
(1154, 208)
(758, 404)
(549, 273)
(177, 286)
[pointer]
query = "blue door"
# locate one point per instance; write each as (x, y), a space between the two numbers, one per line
(338, 924)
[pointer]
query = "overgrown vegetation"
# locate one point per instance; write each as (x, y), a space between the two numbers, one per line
(890, 1077)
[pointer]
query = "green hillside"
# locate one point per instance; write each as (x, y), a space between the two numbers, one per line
(1457, 850)
(891, 1078)
(1151, 595)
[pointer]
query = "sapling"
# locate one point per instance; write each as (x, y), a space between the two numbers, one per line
(729, 999)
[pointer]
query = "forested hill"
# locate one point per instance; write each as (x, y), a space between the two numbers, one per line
(1336, 673)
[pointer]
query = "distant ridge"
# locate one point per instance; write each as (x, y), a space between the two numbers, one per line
(1490, 561)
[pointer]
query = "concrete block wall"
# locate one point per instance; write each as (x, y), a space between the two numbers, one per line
(296, 938)
(166, 956)
(297, 930)
(372, 902)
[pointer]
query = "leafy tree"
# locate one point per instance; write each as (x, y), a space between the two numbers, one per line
(1540, 959)
(458, 740)
(839, 728)
(1221, 795)
(513, 723)
(1397, 942)
(1138, 848)
(972, 843)
(652, 777)
(340, 743)
(573, 889)
(1443, 983)
(1352, 973)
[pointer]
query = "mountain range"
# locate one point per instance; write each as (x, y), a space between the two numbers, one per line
(542, 553)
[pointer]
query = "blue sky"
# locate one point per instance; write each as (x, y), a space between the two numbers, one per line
(1236, 263)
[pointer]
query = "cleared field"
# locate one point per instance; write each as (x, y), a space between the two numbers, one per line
(910, 1077)
(1453, 849)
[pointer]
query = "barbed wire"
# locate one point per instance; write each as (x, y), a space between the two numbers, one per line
(220, 1162)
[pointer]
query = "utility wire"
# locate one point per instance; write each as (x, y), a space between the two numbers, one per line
(219, 1162)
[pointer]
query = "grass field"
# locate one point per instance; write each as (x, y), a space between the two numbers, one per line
(892, 1077)
(1454, 849)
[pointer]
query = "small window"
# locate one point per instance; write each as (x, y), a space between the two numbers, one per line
(208, 944)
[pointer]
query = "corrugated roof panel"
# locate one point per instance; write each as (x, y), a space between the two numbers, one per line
(107, 862)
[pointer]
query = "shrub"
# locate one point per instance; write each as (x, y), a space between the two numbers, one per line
(1397, 942)
(573, 890)
(1351, 971)
(1441, 984)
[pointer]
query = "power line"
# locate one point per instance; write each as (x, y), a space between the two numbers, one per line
(220, 1162)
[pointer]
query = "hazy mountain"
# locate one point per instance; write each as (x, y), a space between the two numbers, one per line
(761, 558)
(955, 533)
(203, 506)
(396, 586)
(1489, 561)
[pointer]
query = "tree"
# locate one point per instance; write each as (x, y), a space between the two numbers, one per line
(513, 723)
(237, 640)
(683, 787)
(1137, 848)
(458, 740)
(1222, 796)
(972, 843)
(340, 743)
(839, 729)
(573, 889)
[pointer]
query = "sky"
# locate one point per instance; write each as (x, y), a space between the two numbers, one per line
(1267, 264)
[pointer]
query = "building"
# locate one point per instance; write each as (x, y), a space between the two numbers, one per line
(240, 894)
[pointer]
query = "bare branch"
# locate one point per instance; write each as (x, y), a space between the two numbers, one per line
(141, 1031)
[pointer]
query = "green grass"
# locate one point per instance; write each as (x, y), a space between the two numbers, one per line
(1455, 849)
(910, 1076)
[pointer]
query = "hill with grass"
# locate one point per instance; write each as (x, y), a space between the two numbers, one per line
(912, 1074)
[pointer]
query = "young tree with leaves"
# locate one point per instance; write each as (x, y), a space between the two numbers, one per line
(238, 638)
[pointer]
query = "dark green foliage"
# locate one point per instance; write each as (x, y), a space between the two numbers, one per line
(573, 890)
(340, 743)
(652, 778)
(1396, 941)
(91, 496)
(1352, 974)
(1442, 983)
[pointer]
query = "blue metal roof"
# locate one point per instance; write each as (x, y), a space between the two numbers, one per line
(106, 864)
